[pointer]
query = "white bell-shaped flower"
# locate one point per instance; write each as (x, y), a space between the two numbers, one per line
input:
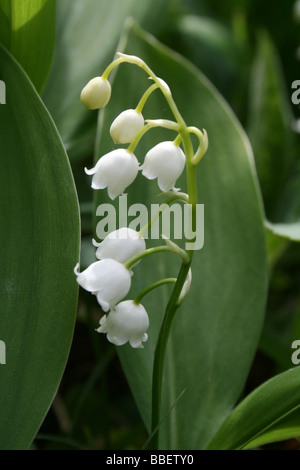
(108, 279)
(121, 245)
(115, 171)
(126, 126)
(96, 94)
(126, 322)
(165, 162)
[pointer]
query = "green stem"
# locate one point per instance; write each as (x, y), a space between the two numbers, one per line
(191, 180)
(150, 251)
(162, 282)
(111, 66)
(178, 140)
(161, 84)
(145, 97)
(160, 351)
(138, 137)
(203, 144)
(165, 123)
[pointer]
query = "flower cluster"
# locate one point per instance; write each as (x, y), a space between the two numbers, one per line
(116, 170)
(109, 278)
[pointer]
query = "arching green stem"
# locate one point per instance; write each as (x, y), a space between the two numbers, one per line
(145, 97)
(162, 282)
(157, 249)
(203, 144)
(138, 137)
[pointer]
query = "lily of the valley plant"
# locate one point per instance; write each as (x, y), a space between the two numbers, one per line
(110, 277)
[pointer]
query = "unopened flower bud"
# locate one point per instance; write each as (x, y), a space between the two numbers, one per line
(115, 171)
(126, 322)
(108, 279)
(126, 126)
(165, 162)
(121, 245)
(96, 94)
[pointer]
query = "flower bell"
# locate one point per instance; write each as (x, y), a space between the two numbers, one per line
(121, 245)
(126, 126)
(165, 162)
(115, 171)
(108, 279)
(126, 322)
(96, 94)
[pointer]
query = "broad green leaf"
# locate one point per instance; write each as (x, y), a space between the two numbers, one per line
(28, 32)
(268, 414)
(87, 34)
(286, 428)
(270, 125)
(39, 245)
(216, 331)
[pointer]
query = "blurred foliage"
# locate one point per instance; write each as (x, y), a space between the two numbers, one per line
(30, 26)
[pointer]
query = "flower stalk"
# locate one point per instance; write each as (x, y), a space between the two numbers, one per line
(155, 285)
(171, 247)
(165, 162)
(173, 304)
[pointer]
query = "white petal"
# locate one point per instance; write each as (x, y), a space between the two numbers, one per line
(126, 322)
(109, 279)
(103, 304)
(116, 340)
(121, 245)
(116, 170)
(92, 171)
(90, 279)
(137, 344)
(166, 162)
